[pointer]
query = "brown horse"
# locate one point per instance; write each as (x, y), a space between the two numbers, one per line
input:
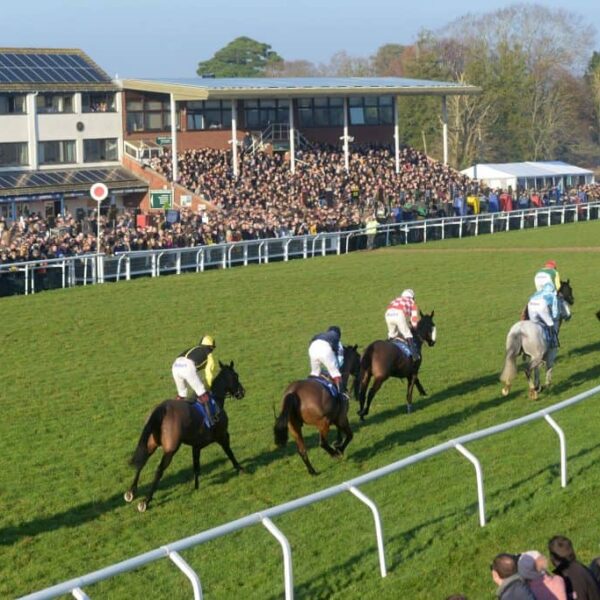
(383, 359)
(307, 401)
(176, 422)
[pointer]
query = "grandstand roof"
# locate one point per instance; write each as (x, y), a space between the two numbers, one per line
(50, 69)
(207, 88)
(553, 168)
(23, 183)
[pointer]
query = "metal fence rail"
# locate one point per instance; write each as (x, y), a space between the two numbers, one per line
(31, 277)
(74, 586)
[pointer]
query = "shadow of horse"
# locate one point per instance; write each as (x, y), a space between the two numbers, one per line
(88, 512)
(587, 349)
(421, 430)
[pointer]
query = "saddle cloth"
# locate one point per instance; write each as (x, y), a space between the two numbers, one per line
(212, 406)
(328, 385)
(402, 346)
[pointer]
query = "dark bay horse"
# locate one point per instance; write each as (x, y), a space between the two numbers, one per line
(383, 359)
(176, 422)
(308, 401)
(528, 338)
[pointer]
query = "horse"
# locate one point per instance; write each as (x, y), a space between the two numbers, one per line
(308, 401)
(528, 337)
(383, 359)
(176, 422)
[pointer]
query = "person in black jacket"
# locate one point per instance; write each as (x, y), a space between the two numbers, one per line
(580, 582)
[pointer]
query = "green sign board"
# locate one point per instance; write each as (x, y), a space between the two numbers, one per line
(164, 140)
(160, 199)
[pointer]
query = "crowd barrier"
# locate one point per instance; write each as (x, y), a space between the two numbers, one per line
(31, 277)
(171, 551)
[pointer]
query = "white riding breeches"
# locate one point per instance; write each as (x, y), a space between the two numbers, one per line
(321, 354)
(184, 371)
(396, 324)
(541, 279)
(539, 312)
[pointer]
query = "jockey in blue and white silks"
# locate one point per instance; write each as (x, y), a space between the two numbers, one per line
(547, 274)
(326, 350)
(543, 309)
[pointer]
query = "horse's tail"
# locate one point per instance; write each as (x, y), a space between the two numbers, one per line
(140, 455)
(365, 359)
(513, 347)
(280, 430)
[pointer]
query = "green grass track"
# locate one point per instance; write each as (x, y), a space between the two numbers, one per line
(81, 369)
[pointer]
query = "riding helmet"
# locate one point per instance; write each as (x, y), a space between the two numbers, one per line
(408, 294)
(336, 329)
(551, 264)
(209, 341)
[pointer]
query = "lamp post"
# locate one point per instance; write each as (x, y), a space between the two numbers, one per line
(98, 192)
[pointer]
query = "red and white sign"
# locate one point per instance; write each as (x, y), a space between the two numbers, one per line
(98, 192)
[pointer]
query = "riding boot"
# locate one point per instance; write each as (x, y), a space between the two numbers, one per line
(414, 349)
(203, 399)
(338, 385)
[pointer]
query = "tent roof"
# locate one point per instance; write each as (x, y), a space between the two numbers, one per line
(553, 168)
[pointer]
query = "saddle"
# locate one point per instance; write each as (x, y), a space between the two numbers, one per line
(402, 345)
(210, 419)
(328, 385)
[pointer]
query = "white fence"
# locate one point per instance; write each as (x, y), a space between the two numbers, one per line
(171, 551)
(29, 277)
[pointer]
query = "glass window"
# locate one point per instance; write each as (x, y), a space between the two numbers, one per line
(305, 117)
(100, 150)
(99, 102)
(209, 114)
(14, 154)
(336, 102)
(357, 115)
(147, 112)
(13, 104)
(386, 101)
(386, 115)
(56, 152)
(54, 103)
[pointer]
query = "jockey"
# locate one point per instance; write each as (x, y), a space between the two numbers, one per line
(326, 350)
(543, 309)
(188, 363)
(547, 274)
(403, 313)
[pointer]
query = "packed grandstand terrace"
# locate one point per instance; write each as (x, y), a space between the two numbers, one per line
(267, 201)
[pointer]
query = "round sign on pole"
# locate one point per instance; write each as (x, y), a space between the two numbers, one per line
(99, 191)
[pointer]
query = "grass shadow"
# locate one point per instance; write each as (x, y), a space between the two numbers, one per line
(90, 511)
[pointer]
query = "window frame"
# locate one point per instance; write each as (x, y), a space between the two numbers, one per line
(106, 141)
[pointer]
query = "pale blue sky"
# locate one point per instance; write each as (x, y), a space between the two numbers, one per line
(167, 38)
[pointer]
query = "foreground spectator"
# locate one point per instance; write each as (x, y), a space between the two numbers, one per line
(532, 567)
(510, 584)
(579, 581)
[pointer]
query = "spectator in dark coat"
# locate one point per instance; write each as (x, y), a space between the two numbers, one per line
(580, 582)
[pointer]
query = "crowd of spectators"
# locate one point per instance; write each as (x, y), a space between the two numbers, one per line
(266, 200)
(527, 576)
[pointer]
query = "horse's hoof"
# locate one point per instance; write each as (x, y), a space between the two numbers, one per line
(128, 496)
(142, 506)
(533, 394)
(408, 409)
(505, 391)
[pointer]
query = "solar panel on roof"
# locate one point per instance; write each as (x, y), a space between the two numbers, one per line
(48, 68)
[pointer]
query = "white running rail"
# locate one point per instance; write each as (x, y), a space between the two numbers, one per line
(74, 586)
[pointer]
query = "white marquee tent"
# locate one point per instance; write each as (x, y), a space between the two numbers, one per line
(529, 174)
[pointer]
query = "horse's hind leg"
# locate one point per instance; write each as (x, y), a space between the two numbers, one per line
(364, 384)
(224, 443)
(132, 491)
(296, 432)
(165, 461)
(377, 382)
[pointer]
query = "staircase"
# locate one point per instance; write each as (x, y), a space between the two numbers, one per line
(278, 135)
